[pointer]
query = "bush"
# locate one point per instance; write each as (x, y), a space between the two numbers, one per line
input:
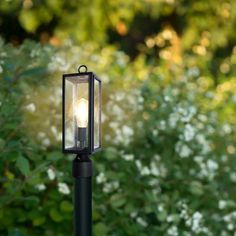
(167, 164)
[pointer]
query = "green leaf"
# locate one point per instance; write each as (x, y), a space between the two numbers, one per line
(66, 206)
(111, 153)
(15, 232)
(2, 143)
(196, 188)
(117, 200)
(162, 215)
(55, 215)
(96, 215)
(28, 20)
(33, 72)
(54, 156)
(23, 165)
(100, 229)
(32, 199)
(39, 221)
(129, 207)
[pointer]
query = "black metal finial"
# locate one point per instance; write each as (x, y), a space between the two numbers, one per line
(82, 66)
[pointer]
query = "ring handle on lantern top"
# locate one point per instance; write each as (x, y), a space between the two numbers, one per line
(82, 66)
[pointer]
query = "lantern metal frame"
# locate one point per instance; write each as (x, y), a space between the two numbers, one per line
(91, 79)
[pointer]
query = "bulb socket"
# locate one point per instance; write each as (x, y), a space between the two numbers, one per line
(82, 136)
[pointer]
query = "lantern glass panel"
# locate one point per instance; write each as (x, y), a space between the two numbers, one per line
(97, 114)
(76, 112)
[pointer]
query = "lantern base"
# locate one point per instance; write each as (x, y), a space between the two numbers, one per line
(82, 166)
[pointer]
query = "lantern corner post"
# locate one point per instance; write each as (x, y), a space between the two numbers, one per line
(82, 171)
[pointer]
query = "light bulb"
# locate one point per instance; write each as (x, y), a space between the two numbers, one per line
(81, 113)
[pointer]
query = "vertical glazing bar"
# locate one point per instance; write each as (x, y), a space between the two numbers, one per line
(74, 115)
(100, 114)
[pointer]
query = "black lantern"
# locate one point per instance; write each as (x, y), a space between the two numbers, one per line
(81, 112)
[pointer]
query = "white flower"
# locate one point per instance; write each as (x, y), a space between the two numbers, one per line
(145, 171)
(59, 136)
(233, 177)
(173, 231)
(119, 96)
(183, 150)
(234, 100)
(184, 214)
(198, 159)
(128, 157)
(138, 164)
(154, 170)
(169, 218)
(117, 111)
(202, 117)
(54, 130)
(140, 125)
(154, 183)
(60, 173)
(157, 157)
(196, 220)
(227, 218)
(201, 138)
(205, 144)
(51, 174)
(230, 226)
(115, 184)
(113, 125)
(205, 148)
(227, 129)
(140, 99)
(104, 117)
(101, 178)
(40, 187)
(56, 63)
(63, 188)
(46, 142)
(105, 78)
(162, 125)
(173, 119)
(212, 165)
(224, 158)
(160, 208)
(30, 107)
(193, 72)
(155, 132)
(167, 98)
(133, 214)
(41, 135)
(123, 135)
(189, 132)
(222, 204)
(109, 187)
(210, 129)
(142, 222)
(127, 131)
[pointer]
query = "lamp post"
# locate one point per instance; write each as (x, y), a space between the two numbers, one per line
(81, 111)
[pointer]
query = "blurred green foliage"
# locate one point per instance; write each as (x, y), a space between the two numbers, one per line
(169, 107)
(164, 29)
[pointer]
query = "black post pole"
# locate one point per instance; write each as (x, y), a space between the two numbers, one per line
(82, 173)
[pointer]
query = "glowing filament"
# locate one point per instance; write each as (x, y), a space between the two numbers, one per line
(81, 113)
